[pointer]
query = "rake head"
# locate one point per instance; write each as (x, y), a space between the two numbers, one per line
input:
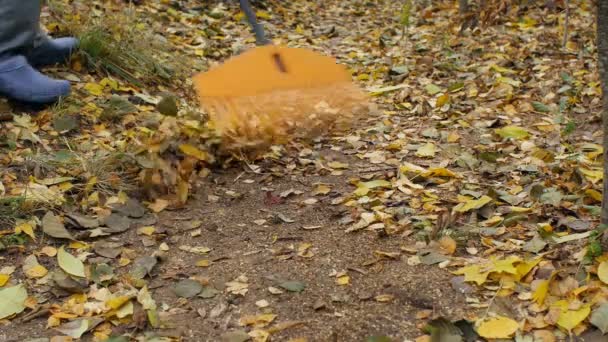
(273, 94)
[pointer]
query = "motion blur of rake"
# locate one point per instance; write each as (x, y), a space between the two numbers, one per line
(272, 94)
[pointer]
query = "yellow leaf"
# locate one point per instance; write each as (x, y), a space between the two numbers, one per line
(473, 274)
(569, 319)
(363, 188)
(122, 262)
(502, 70)
(492, 221)
(193, 151)
(363, 77)
(594, 194)
(337, 165)
(147, 230)
(453, 137)
(26, 228)
(541, 291)
(78, 245)
(53, 321)
(90, 184)
(4, 279)
(117, 302)
(37, 271)
(321, 189)
(384, 298)
(427, 150)
(343, 280)
(304, 250)
(442, 100)
(108, 82)
(263, 15)
(593, 176)
(525, 267)
(439, 172)
(258, 321)
(182, 191)
(498, 327)
(203, 263)
(514, 132)
(520, 209)
(505, 265)
(473, 204)
(602, 272)
(94, 88)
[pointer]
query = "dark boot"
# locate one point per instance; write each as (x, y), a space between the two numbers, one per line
(50, 51)
(21, 82)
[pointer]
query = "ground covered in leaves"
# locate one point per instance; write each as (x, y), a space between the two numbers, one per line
(464, 207)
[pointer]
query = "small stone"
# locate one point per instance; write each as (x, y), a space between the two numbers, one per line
(262, 303)
(275, 291)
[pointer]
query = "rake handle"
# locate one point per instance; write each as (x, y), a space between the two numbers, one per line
(260, 37)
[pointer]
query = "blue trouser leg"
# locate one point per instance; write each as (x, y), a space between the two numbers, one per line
(19, 24)
(22, 44)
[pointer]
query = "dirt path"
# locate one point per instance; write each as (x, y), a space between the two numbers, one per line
(268, 253)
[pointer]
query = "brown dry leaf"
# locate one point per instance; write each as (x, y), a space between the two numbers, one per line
(384, 298)
(159, 205)
(49, 251)
(447, 245)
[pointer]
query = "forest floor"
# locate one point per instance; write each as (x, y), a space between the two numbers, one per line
(464, 207)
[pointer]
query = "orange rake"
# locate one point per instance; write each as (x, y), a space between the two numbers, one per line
(271, 94)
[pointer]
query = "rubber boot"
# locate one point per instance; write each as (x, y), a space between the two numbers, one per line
(48, 51)
(21, 82)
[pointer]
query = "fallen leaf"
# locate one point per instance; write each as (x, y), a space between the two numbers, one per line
(448, 245)
(363, 188)
(602, 272)
(69, 263)
(293, 286)
(159, 205)
(52, 226)
(321, 189)
(32, 268)
(569, 319)
(203, 263)
(49, 251)
(343, 280)
(235, 336)
(497, 327)
(427, 150)
(187, 288)
(384, 298)
(472, 204)
(514, 132)
(4, 279)
(26, 228)
(599, 318)
(193, 151)
(12, 300)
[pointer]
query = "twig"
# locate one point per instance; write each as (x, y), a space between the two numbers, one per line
(38, 312)
(566, 23)
(492, 301)
(376, 169)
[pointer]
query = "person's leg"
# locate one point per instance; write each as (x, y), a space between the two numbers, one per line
(19, 20)
(19, 26)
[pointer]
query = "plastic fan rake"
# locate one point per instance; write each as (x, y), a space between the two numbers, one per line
(271, 93)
